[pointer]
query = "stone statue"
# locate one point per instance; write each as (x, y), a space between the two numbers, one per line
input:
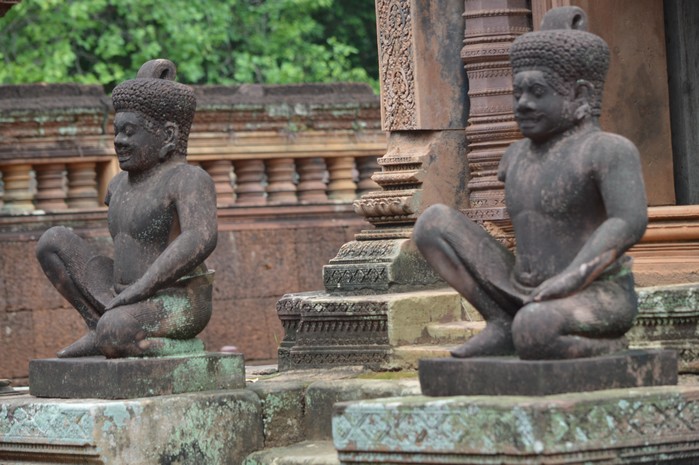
(154, 297)
(576, 199)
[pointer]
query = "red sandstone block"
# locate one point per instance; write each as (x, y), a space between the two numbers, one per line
(16, 341)
(55, 329)
(249, 324)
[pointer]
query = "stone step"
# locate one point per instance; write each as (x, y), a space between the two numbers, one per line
(455, 332)
(408, 356)
(303, 453)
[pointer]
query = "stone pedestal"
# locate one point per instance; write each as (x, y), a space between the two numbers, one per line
(495, 376)
(129, 378)
(621, 426)
(325, 329)
(212, 428)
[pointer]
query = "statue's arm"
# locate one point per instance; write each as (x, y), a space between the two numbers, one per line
(617, 170)
(195, 200)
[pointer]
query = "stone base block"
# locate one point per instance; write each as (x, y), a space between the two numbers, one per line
(324, 329)
(494, 376)
(212, 428)
(655, 425)
(130, 378)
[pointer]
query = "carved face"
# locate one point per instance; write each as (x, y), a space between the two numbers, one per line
(137, 146)
(540, 111)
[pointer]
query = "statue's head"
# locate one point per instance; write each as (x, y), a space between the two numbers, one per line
(558, 75)
(153, 116)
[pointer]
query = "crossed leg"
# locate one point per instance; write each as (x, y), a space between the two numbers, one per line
(590, 323)
(479, 268)
(82, 277)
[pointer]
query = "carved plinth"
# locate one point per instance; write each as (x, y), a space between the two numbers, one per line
(494, 376)
(621, 426)
(668, 318)
(378, 265)
(213, 428)
(130, 378)
(324, 329)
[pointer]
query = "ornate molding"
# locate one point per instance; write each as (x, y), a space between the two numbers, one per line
(396, 64)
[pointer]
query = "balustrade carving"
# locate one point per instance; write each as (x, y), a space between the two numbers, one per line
(255, 153)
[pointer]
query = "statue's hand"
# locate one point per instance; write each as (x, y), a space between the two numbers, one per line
(130, 295)
(561, 285)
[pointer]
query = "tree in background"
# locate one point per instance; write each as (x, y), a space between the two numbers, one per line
(211, 41)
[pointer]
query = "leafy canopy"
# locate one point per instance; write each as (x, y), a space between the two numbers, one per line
(210, 41)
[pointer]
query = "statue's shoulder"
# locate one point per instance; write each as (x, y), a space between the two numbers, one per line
(610, 146)
(184, 175)
(512, 152)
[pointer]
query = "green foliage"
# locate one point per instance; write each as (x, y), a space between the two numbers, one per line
(211, 41)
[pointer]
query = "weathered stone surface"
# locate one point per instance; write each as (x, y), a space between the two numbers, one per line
(283, 406)
(303, 453)
(15, 329)
(668, 318)
(214, 428)
(322, 395)
(494, 376)
(621, 426)
(99, 378)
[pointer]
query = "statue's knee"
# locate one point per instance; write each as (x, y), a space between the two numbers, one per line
(51, 240)
(428, 225)
(534, 330)
(117, 332)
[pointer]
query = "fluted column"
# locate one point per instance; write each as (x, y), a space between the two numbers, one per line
(17, 185)
(220, 172)
(312, 174)
(82, 185)
(489, 31)
(341, 185)
(50, 189)
(280, 180)
(249, 188)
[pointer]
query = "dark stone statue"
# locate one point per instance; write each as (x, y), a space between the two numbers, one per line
(576, 199)
(154, 297)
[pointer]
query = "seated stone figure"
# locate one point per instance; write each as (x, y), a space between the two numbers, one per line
(576, 199)
(154, 297)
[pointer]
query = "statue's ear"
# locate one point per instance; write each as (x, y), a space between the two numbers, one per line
(170, 141)
(583, 97)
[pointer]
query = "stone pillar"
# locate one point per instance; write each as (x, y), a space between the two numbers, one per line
(424, 111)
(249, 188)
(489, 31)
(50, 192)
(341, 185)
(17, 184)
(220, 172)
(378, 289)
(82, 185)
(312, 172)
(280, 178)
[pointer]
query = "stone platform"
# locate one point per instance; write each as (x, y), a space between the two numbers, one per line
(495, 376)
(130, 378)
(655, 425)
(214, 428)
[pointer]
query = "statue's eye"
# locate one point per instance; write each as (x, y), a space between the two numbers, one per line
(538, 90)
(129, 130)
